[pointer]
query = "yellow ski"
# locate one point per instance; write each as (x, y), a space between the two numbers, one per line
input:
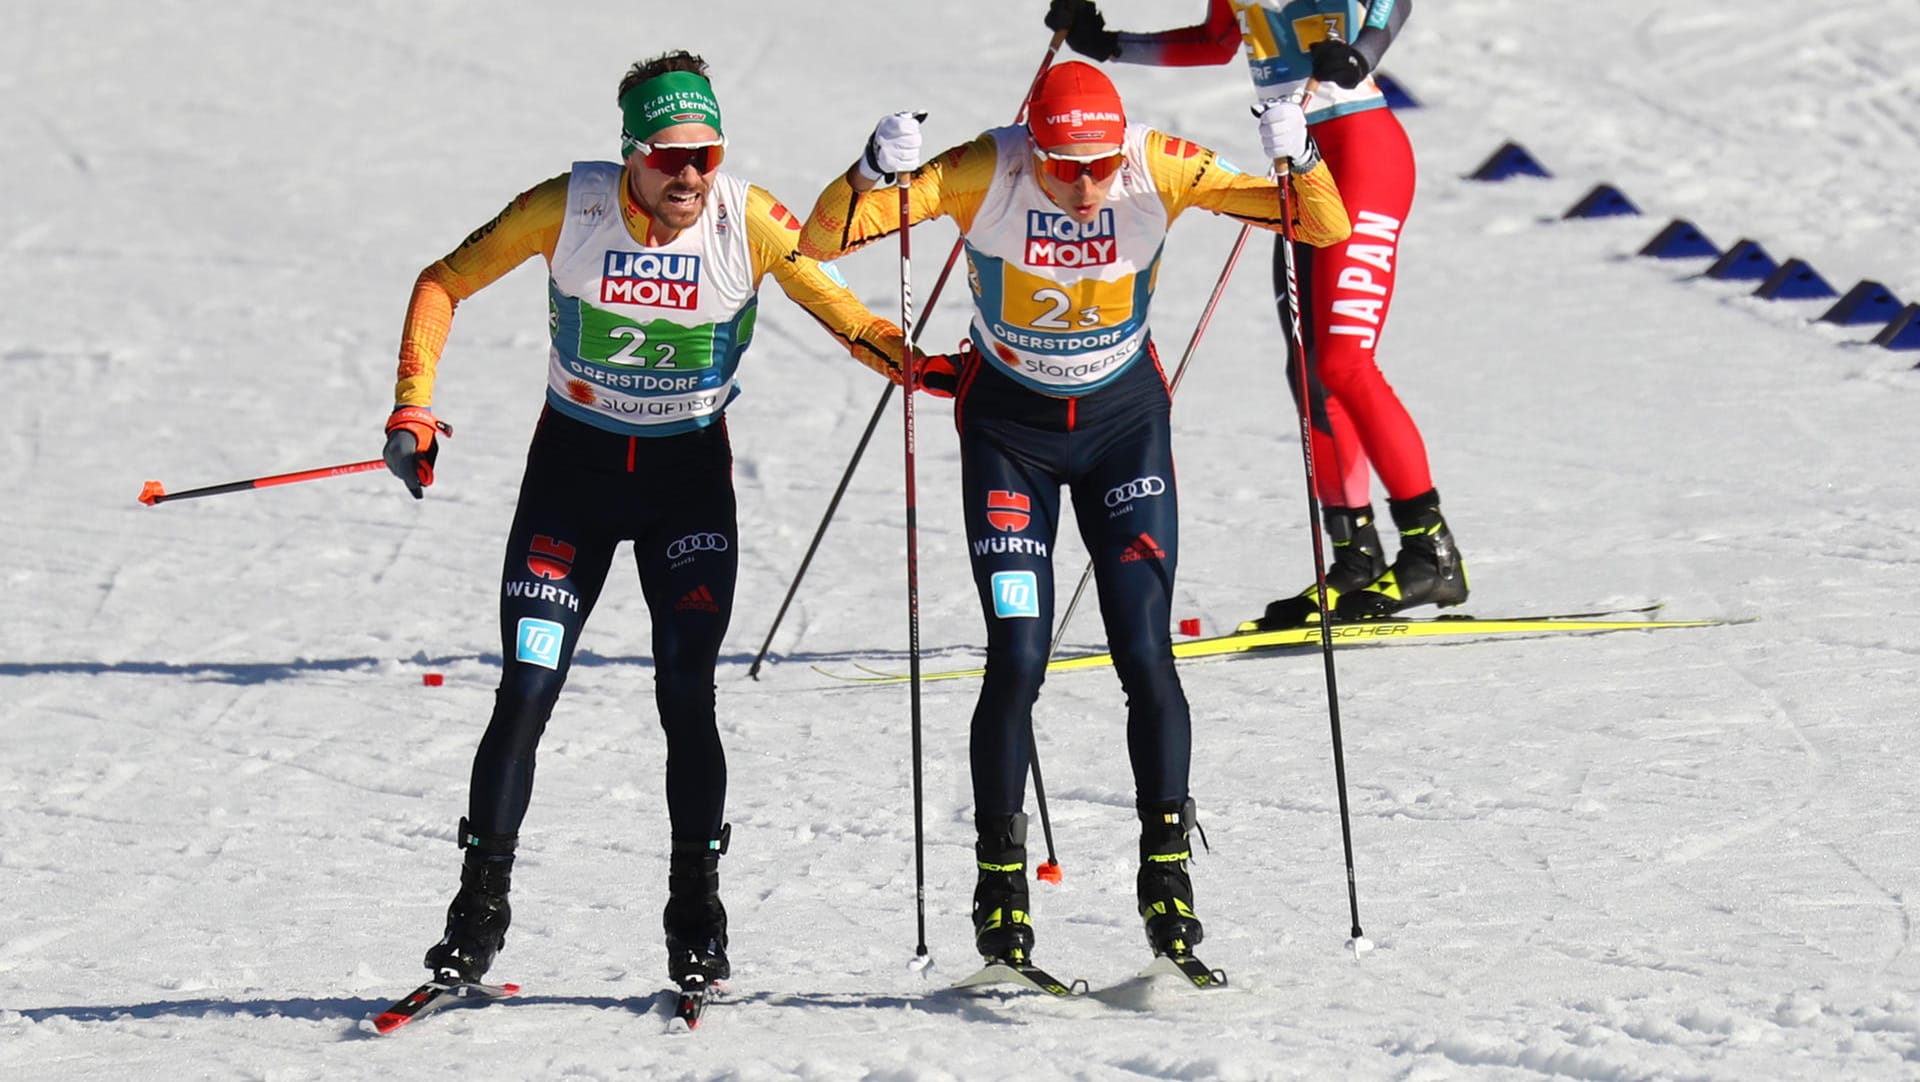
(1357, 633)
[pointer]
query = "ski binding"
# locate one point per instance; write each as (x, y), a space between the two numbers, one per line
(1187, 968)
(442, 991)
(1001, 971)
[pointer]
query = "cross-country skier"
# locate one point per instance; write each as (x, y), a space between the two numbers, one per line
(653, 266)
(1345, 291)
(1064, 220)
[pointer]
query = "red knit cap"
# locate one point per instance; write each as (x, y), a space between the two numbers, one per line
(1076, 103)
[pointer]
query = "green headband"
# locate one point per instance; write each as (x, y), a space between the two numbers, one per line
(674, 97)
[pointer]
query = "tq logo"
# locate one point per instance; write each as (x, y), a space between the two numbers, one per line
(1137, 489)
(697, 542)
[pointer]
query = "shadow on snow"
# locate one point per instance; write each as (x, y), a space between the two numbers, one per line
(938, 1001)
(266, 672)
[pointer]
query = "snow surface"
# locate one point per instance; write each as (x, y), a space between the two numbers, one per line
(227, 800)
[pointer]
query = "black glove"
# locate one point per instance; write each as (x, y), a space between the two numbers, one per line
(939, 374)
(1335, 61)
(404, 456)
(1086, 28)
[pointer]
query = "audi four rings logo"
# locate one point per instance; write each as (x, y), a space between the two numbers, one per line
(1136, 489)
(697, 542)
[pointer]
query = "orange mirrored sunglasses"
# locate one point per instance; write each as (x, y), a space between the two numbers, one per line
(671, 158)
(1068, 168)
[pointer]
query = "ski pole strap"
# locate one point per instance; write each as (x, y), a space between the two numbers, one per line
(1186, 816)
(501, 844)
(707, 845)
(1190, 820)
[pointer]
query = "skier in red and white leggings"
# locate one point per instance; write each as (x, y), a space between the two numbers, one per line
(1345, 290)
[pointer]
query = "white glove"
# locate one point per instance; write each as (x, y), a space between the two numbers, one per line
(893, 148)
(1283, 131)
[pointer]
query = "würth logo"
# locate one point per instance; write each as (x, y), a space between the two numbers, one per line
(1008, 510)
(699, 599)
(657, 281)
(548, 558)
(1143, 547)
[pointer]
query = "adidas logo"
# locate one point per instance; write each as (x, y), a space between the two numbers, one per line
(1143, 547)
(699, 599)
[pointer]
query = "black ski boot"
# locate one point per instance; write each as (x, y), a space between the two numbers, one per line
(694, 920)
(1002, 928)
(1357, 563)
(478, 918)
(1165, 890)
(1427, 571)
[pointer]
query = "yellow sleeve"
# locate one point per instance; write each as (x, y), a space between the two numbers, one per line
(773, 236)
(953, 185)
(529, 226)
(1190, 175)
(1320, 214)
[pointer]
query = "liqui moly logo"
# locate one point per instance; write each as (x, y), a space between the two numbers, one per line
(1055, 240)
(657, 281)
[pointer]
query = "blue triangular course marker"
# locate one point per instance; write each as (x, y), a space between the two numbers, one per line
(1902, 331)
(1745, 260)
(1511, 160)
(1867, 302)
(1603, 201)
(1795, 280)
(1396, 95)
(1681, 239)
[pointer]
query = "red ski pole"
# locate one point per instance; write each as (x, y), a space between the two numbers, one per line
(153, 492)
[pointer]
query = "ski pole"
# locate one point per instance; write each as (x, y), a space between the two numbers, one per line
(873, 422)
(1357, 941)
(909, 380)
(153, 492)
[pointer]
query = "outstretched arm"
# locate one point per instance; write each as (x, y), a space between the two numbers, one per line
(773, 235)
(1214, 41)
(850, 215)
(1190, 175)
(529, 226)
